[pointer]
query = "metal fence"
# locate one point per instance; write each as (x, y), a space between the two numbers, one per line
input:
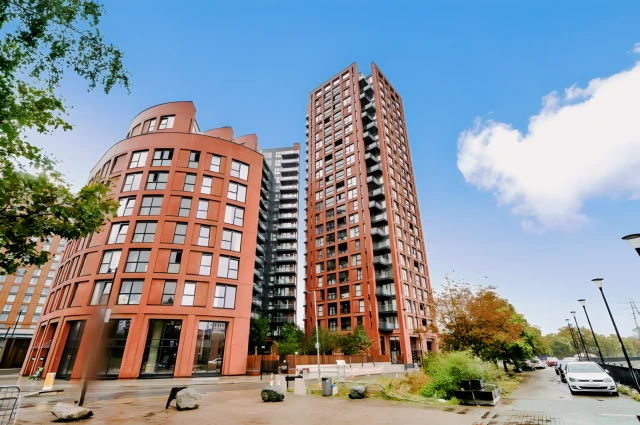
(9, 404)
(622, 374)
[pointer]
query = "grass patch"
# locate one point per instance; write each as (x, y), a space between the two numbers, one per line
(508, 382)
(623, 389)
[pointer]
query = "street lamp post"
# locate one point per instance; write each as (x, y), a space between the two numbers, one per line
(598, 282)
(583, 302)
(315, 312)
(573, 338)
(586, 352)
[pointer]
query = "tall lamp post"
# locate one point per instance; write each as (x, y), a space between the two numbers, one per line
(573, 338)
(315, 312)
(598, 282)
(586, 352)
(583, 303)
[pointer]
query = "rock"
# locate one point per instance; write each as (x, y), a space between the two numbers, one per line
(68, 412)
(187, 399)
(273, 393)
(357, 392)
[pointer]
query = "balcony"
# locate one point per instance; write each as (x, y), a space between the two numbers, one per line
(387, 326)
(259, 262)
(369, 137)
(383, 246)
(374, 182)
(371, 106)
(372, 127)
(387, 307)
(285, 269)
(288, 236)
(287, 226)
(259, 273)
(257, 288)
(289, 196)
(288, 305)
(287, 216)
(384, 276)
(283, 293)
(373, 205)
(259, 248)
(372, 147)
(256, 302)
(288, 187)
(288, 206)
(382, 260)
(379, 232)
(262, 225)
(284, 281)
(379, 218)
(282, 319)
(375, 169)
(288, 177)
(377, 193)
(371, 158)
(292, 258)
(287, 247)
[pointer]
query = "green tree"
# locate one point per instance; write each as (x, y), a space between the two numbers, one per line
(258, 332)
(290, 340)
(329, 342)
(41, 40)
(357, 342)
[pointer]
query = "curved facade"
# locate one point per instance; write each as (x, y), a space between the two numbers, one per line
(175, 269)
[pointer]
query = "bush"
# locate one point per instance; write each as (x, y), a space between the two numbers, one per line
(447, 371)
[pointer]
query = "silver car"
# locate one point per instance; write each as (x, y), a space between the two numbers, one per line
(586, 377)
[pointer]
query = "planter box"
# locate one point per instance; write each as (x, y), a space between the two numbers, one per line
(473, 384)
(490, 396)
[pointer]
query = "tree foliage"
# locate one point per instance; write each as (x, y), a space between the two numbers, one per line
(41, 40)
(258, 332)
(479, 320)
(356, 342)
(291, 339)
(562, 344)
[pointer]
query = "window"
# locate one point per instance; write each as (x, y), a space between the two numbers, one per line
(361, 306)
(353, 218)
(132, 182)
(351, 182)
(175, 258)
(203, 208)
(189, 293)
(130, 292)
(157, 181)
(126, 206)
(109, 261)
(151, 205)
(237, 192)
(152, 125)
(35, 277)
(194, 159)
(358, 290)
(189, 183)
(225, 296)
(354, 232)
(207, 182)
(350, 159)
(185, 207)
(101, 292)
(231, 240)
(356, 260)
(168, 292)
(239, 170)
(353, 193)
(180, 233)
(215, 163)
(205, 264)
(166, 122)
(228, 267)
(144, 232)
(162, 157)
(138, 159)
(118, 233)
(203, 236)
(320, 310)
(234, 215)
(137, 261)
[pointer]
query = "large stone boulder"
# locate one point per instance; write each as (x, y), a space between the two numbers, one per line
(68, 412)
(187, 399)
(273, 393)
(357, 392)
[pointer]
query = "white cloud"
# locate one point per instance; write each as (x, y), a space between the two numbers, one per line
(584, 146)
(636, 48)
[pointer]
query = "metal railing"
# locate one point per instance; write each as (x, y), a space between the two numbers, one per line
(9, 404)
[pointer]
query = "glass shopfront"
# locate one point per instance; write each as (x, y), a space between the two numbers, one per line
(161, 348)
(209, 352)
(116, 332)
(68, 359)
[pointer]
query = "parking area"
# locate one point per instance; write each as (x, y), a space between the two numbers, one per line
(543, 399)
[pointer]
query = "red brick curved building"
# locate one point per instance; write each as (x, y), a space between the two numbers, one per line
(176, 268)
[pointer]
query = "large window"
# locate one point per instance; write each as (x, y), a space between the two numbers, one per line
(144, 231)
(189, 183)
(118, 233)
(126, 206)
(189, 293)
(157, 180)
(151, 205)
(116, 333)
(101, 291)
(234, 215)
(185, 207)
(209, 352)
(228, 267)
(225, 296)
(175, 258)
(132, 182)
(203, 235)
(237, 192)
(138, 159)
(203, 209)
(166, 122)
(168, 292)
(162, 157)
(180, 233)
(239, 170)
(161, 348)
(194, 159)
(137, 261)
(130, 291)
(205, 264)
(231, 240)
(109, 261)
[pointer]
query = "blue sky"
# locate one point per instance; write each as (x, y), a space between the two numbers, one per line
(251, 65)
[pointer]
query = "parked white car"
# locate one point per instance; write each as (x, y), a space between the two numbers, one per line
(584, 377)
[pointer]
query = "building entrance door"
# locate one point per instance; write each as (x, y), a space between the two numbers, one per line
(394, 349)
(209, 354)
(68, 358)
(116, 333)
(161, 349)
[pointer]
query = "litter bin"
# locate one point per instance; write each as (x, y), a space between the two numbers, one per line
(326, 387)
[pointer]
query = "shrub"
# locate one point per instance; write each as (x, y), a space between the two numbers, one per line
(447, 370)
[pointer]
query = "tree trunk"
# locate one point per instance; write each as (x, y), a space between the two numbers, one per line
(506, 369)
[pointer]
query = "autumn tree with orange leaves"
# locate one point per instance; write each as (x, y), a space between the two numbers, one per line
(479, 320)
